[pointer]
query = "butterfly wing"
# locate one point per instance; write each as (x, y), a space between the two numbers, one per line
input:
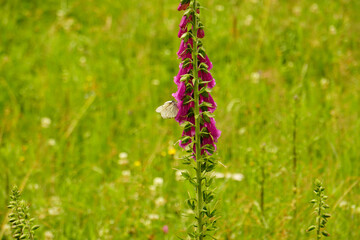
(168, 110)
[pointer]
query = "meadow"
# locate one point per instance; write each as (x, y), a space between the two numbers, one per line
(80, 82)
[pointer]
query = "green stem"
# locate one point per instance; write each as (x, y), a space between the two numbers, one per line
(319, 216)
(197, 123)
(294, 166)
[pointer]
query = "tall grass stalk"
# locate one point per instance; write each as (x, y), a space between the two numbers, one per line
(294, 159)
(320, 207)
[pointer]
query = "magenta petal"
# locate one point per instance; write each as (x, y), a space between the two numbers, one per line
(209, 100)
(205, 76)
(184, 21)
(215, 133)
(200, 33)
(183, 6)
(183, 111)
(207, 141)
(184, 45)
(180, 92)
(207, 61)
(182, 31)
(181, 72)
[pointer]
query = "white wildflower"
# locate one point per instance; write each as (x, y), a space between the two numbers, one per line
(178, 175)
(160, 201)
(314, 8)
(158, 181)
(126, 173)
(255, 77)
(123, 162)
(48, 235)
(237, 177)
(45, 122)
(152, 188)
(297, 10)
(242, 130)
(123, 155)
(219, 8)
(248, 20)
(228, 175)
(153, 216)
(7, 230)
(51, 142)
(155, 82)
(219, 175)
(332, 30)
(324, 83)
(54, 211)
(82, 60)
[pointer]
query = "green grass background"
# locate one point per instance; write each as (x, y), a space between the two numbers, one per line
(99, 69)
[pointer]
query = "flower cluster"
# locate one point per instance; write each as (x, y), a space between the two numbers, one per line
(185, 95)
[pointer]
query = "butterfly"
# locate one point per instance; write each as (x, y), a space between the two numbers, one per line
(168, 110)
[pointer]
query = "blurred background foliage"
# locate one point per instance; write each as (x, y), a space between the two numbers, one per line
(80, 82)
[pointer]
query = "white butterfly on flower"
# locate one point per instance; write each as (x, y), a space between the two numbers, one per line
(168, 110)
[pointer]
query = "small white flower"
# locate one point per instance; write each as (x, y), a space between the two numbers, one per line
(248, 20)
(45, 122)
(237, 177)
(160, 201)
(7, 230)
(332, 30)
(314, 8)
(324, 83)
(255, 77)
(357, 210)
(55, 200)
(297, 10)
(155, 82)
(54, 211)
(123, 155)
(290, 64)
(103, 231)
(158, 181)
(123, 162)
(82, 60)
(271, 149)
(126, 173)
(242, 130)
(178, 175)
(51, 142)
(34, 186)
(153, 216)
(146, 222)
(61, 13)
(228, 175)
(219, 175)
(219, 8)
(343, 204)
(167, 52)
(152, 188)
(48, 235)
(249, 149)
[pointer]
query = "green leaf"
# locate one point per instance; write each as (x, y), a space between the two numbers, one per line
(35, 227)
(188, 11)
(206, 104)
(185, 139)
(312, 227)
(325, 233)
